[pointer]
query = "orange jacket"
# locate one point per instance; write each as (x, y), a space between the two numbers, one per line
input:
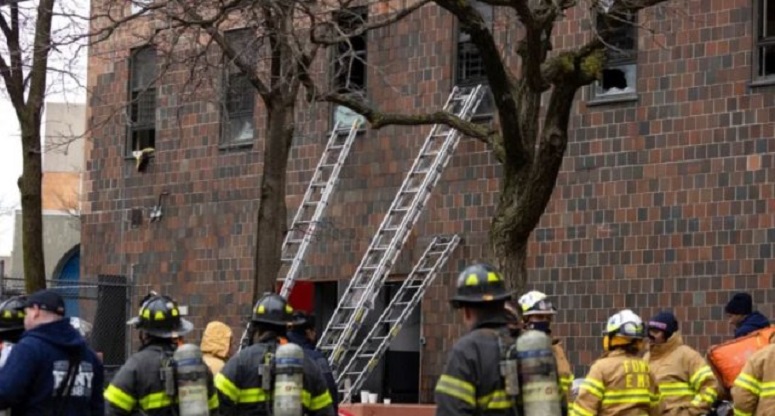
(563, 368)
(618, 384)
(686, 383)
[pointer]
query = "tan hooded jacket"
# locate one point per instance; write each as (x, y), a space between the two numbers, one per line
(754, 389)
(618, 384)
(686, 383)
(216, 344)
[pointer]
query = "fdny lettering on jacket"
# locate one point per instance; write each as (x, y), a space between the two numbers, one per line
(636, 374)
(82, 383)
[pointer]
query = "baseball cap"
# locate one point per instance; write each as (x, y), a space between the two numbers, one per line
(48, 300)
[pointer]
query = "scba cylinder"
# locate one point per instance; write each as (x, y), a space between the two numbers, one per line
(191, 378)
(538, 375)
(289, 379)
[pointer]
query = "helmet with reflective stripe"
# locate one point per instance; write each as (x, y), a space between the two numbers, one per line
(623, 328)
(160, 316)
(479, 283)
(12, 314)
(273, 309)
(535, 303)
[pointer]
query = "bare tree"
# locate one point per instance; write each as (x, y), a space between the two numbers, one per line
(267, 46)
(30, 51)
(533, 103)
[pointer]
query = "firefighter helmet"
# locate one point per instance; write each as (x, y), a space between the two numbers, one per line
(12, 314)
(479, 283)
(273, 309)
(623, 328)
(535, 303)
(159, 316)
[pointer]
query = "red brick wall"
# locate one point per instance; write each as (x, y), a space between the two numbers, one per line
(663, 202)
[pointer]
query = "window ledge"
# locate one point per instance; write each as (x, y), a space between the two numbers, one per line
(233, 146)
(613, 99)
(762, 82)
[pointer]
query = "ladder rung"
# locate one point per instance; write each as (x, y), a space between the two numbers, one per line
(319, 184)
(287, 259)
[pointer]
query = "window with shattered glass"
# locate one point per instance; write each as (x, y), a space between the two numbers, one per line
(765, 39)
(349, 61)
(469, 68)
(142, 100)
(619, 78)
(239, 95)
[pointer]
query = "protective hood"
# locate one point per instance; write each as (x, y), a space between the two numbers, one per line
(216, 339)
(658, 350)
(59, 333)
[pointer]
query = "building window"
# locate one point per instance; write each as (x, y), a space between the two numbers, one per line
(142, 100)
(469, 68)
(619, 77)
(349, 64)
(239, 95)
(765, 39)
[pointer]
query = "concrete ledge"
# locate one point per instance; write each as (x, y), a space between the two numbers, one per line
(394, 409)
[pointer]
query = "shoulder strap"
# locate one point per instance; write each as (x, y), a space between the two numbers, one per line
(62, 395)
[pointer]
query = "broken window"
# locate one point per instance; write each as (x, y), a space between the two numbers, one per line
(765, 39)
(239, 95)
(138, 6)
(349, 60)
(469, 69)
(619, 32)
(142, 100)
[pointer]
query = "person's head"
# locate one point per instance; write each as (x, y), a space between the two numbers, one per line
(740, 306)
(43, 307)
(159, 320)
(11, 319)
(537, 311)
(661, 327)
(480, 294)
(624, 331)
(305, 326)
(273, 314)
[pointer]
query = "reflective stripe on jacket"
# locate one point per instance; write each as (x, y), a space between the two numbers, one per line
(754, 390)
(686, 383)
(618, 384)
(138, 385)
(563, 369)
(240, 386)
(471, 383)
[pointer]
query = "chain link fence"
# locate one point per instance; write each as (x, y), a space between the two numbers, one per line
(104, 305)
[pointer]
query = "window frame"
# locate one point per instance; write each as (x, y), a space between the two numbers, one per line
(488, 104)
(596, 93)
(134, 102)
(759, 42)
(347, 116)
(227, 117)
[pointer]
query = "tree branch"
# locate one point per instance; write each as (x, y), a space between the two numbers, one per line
(40, 54)
(378, 120)
(366, 26)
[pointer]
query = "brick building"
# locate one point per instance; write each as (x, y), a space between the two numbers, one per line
(663, 202)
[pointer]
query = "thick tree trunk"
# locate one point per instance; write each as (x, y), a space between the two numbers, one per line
(272, 211)
(32, 209)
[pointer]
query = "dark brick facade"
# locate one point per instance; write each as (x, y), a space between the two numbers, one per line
(663, 202)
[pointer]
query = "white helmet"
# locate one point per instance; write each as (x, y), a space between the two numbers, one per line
(625, 324)
(535, 303)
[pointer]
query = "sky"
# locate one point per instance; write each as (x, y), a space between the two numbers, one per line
(62, 89)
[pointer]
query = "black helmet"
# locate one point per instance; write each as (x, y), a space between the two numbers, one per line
(159, 316)
(479, 283)
(272, 309)
(12, 314)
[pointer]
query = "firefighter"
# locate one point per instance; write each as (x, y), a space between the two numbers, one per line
(538, 312)
(471, 382)
(11, 325)
(753, 393)
(686, 383)
(619, 383)
(242, 386)
(142, 384)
